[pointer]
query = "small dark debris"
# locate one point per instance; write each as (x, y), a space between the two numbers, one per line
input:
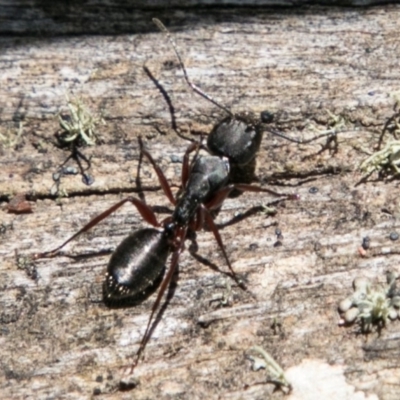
(253, 246)
(175, 159)
(10, 374)
(279, 237)
(35, 170)
(3, 228)
(96, 391)
(99, 378)
(169, 64)
(366, 242)
(394, 236)
(128, 384)
(4, 331)
(313, 190)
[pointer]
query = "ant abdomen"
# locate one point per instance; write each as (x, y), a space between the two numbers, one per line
(135, 265)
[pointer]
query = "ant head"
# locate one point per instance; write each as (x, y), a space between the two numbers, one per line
(237, 138)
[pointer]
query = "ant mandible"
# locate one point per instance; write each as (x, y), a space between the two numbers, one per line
(139, 260)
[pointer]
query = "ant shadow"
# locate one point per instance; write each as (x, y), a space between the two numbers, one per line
(78, 157)
(165, 94)
(385, 175)
(168, 100)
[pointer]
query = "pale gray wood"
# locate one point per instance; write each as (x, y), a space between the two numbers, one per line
(57, 338)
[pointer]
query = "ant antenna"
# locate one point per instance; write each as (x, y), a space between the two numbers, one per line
(195, 88)
(330, 133)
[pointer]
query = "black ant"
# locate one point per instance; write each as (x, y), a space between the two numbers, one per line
(237, 127)
(140, 259)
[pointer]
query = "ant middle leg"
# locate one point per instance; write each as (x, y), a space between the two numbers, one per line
(186, 166)
(161, 177)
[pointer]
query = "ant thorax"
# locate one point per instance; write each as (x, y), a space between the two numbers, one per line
(207, 175)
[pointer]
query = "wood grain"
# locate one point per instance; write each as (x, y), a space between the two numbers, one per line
(57, 338)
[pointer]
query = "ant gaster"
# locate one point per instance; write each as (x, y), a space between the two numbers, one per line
(140, 258)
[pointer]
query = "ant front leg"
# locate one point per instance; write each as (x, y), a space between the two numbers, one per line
(185, 168)
(185, 163)
(145, 211)
(161, 177)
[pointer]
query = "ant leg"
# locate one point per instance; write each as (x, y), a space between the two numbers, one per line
(145, 211)
(198, 221)
(223, 193)
(251, 188)
(214, 229)
(161, 177)
(218, 198)
(185, 163)
(149, 328)
(329, 132)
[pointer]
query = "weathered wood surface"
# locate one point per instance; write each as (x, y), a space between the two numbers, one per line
(49, 17)
(57, 338)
